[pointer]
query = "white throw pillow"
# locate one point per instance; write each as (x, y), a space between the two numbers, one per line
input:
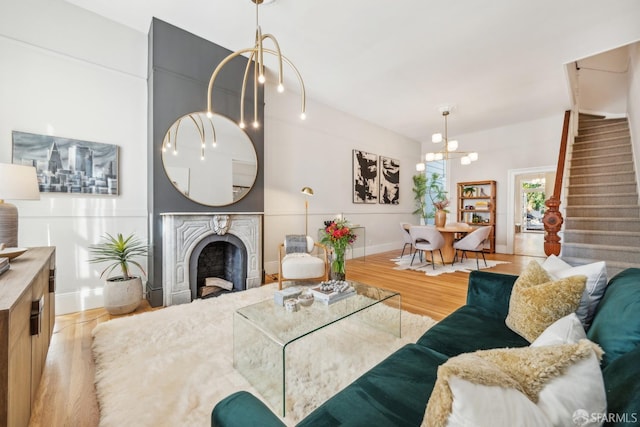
(499, 387)
(566, 330)
(580, 387)
(554, 263)
(481, 405)
(596, 283)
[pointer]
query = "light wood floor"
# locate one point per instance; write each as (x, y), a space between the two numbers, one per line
(66, 396)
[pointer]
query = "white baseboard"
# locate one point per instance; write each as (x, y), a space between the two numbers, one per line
(72, 302)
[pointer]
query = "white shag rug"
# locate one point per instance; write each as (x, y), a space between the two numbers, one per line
(170, 367)
(469, 264)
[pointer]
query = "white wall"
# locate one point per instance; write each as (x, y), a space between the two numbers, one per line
(633, 106)
(602, 82)
(317, 153)
(78, 75)
(518, 146)
(70, 73)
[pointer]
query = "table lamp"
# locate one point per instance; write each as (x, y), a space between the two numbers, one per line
(307, 191)
(17, 182)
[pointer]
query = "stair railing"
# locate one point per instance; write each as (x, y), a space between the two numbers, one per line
(552, 218)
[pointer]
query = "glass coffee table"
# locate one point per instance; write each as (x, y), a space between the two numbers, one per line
(263, 332)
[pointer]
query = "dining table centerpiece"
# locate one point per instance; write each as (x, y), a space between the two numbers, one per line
(439, 199)
(338, 234)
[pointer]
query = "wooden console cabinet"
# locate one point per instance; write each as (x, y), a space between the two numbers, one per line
(27, 315)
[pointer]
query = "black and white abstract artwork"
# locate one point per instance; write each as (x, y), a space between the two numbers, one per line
(65, 165)
(389, 181)
(365, 177)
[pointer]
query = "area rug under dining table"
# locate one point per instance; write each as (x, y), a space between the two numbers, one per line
(468, 264)
(170, 367)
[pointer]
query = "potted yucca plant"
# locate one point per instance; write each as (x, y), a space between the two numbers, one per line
(122, 294)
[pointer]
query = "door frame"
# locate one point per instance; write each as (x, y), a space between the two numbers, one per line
(513, 175)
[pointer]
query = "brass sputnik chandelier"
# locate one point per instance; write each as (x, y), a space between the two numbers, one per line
(256, 56)
(450, 147)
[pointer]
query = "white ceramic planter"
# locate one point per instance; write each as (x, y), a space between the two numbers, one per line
(122, 296)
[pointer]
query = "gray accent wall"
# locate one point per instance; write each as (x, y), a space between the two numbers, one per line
(180, 66)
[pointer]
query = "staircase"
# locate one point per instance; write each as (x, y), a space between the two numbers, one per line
(602, 220)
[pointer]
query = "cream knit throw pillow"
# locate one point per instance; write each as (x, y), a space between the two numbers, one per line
(537, 301)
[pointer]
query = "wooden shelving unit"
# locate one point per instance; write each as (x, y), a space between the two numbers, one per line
(477, 206)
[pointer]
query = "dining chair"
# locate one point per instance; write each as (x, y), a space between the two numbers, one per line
(427, 238)
(473, 242)
(460, 235)
(408, 240)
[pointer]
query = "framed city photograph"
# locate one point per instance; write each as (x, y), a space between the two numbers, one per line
(365, 177)
(389, 181)
(66, 165)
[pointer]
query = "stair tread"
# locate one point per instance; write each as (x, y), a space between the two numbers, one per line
(626, 147)
(604, 207)
(608, 247)
(603, 195)
(605, 165)
(581, 261)
(604, 232)
(602, 174)
(599, 156)
(593, 218)
(604, 184)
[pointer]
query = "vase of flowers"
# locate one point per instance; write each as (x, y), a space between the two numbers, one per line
(439, 199)
(338, 235)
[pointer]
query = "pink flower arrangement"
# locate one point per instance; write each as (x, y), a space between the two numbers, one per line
(338, 235)
(441, 204)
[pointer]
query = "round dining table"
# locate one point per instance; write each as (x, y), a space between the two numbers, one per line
(449, 233)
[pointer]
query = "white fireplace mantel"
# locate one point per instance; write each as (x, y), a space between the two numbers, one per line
(181, 232)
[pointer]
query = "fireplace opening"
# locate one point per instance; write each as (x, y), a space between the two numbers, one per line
(218, 265)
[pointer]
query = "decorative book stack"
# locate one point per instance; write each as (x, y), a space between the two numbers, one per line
(279, 297)
(333, 291)
(4, 265)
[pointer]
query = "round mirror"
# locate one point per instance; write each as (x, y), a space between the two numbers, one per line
(209, 159)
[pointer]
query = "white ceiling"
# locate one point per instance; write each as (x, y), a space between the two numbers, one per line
(394, 63)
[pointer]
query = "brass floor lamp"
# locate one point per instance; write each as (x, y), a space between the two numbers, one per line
(307, 191)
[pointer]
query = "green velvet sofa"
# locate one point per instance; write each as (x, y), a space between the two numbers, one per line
(396, 391)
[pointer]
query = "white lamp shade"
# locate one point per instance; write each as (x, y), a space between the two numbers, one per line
(436, 138)
(465, 160)
(18, 182)
(473, 156)
(439, 156)
(452, 145)
(430, 157)
(419, 167)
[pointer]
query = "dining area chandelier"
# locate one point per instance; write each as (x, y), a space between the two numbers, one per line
(256, 55)
(449, 148)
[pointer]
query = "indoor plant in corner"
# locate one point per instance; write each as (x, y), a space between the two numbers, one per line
(419, 193)
(122, 294)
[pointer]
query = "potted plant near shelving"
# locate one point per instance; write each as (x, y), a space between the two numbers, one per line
(469, 191)
(122, 294)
